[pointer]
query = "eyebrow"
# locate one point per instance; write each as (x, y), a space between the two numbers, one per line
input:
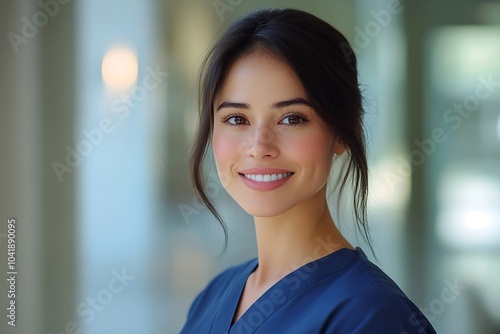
(276, 105)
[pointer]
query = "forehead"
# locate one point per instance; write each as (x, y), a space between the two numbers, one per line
(259, 78)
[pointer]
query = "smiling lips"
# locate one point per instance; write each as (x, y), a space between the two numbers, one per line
(265, 179)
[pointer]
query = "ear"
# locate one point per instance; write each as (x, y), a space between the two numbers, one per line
(338, 147)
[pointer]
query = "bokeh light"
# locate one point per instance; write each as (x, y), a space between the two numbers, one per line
(119, 68)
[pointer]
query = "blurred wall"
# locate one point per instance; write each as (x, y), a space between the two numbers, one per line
(37, 113)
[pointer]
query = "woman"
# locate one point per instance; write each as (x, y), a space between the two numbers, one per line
(279, 101)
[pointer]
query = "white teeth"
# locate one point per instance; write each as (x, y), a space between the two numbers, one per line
(266, 177)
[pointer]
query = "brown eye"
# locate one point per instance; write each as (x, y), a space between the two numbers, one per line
(237, 120)
(293, 120)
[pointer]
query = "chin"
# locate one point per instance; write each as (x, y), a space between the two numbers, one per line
(263, 209)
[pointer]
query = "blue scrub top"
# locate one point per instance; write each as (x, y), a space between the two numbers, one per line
(341, 293)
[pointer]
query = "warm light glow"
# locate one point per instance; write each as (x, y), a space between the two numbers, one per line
(119, 68)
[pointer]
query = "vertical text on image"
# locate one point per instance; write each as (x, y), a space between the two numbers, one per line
(12, 271)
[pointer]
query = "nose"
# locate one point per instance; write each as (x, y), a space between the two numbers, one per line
(261, 144)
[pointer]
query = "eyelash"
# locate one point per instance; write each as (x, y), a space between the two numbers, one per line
(303, 118)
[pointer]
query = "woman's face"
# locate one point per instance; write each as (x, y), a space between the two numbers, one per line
(271, 151)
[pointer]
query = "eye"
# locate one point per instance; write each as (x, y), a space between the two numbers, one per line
(235, 120)
(294, 119)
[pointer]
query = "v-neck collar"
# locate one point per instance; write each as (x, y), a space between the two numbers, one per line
(278, 294)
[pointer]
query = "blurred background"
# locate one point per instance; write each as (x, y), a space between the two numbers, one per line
(97, 113)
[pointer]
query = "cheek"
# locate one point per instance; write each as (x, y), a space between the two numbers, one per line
(224, 148)
(314, 149)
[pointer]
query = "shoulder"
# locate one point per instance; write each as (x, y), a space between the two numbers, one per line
(215, 298)
(380, 312)
(364, 278)
(219, 284)
(371, 302)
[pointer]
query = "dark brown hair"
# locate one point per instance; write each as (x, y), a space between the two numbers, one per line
(324, 62)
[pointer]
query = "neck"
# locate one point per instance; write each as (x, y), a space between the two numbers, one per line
(296, 237)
